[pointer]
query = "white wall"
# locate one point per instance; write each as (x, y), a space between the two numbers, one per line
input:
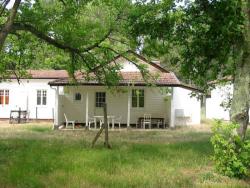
(127, 66)
(214, 110)
(213, 104)
(24, 95)
(158, 104)
(117, 104)
(185, 109)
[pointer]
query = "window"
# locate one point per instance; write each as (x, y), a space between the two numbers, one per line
(78, 96)
(100, 99)
(138, 98)
(41, 97)
(1, 96)
(4, 97)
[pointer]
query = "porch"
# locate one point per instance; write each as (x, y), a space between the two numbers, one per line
(83, 104)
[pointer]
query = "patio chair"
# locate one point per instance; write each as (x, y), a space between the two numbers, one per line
(101, 121)
(160, 123)
(146, 120)
(118, 121)
(69, 122)
(91, 121)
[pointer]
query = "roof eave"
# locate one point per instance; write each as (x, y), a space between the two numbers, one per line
(130, 84)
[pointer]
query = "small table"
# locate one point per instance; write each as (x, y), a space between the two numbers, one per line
(154, 121)
(18, 116)
(101, 118)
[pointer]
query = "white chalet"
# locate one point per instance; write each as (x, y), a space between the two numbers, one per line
(49, 94)
(83, 100)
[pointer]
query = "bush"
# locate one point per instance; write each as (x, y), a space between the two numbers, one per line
(231, 154)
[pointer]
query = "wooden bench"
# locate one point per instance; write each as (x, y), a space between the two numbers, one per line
(154, 121)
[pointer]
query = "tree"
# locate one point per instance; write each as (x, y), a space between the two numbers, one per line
(86, 34)
(10, 20)
(213, 38)
(89, 33)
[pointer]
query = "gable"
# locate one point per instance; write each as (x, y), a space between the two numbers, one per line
(130, 66)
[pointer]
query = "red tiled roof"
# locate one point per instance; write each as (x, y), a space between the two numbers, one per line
(161, 79)
(130, 78)
(134, 78)
(45, 74)
(62, 78)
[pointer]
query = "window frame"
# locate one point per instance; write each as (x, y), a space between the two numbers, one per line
(98, 98)
(43, 97)
(4, 94)
(75, 97)
(137, 98)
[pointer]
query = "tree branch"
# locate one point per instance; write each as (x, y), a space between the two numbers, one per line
(3, 6)
(46, 38)
(117, 40)
(8, 24)
(62, 1)
(95, 45)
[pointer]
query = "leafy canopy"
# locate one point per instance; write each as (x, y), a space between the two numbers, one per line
(204, 37)
(79, 35)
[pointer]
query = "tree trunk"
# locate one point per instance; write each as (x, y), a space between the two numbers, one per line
(240, 103)
(106, 142)
(203, 108)
(106, 139)
(241, 97)
(8, 24)
(97, 136)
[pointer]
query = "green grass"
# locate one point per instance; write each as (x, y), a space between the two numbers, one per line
(36, 156)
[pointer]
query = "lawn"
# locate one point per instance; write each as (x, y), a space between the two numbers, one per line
(36, 156)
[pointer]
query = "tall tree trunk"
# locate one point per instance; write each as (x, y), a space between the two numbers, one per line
(8, 24)
(106, 139)
(203, 108)
(241, 96)
(106, 142)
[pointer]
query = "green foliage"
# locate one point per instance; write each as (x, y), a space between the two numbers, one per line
(212, 34)
(71, 35)
(228, 96)
(202, 39)
(231, 154)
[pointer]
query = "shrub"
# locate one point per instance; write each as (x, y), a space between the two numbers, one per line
(231, 154)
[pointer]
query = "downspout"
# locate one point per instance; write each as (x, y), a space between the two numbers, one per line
(27, 99)
(172, 110)
(56, 107)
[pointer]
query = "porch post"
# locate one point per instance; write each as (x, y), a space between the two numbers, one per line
(56, 111)
(172, 116)
(87, 110)
(129, 104)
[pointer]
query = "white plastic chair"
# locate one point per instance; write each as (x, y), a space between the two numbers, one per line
(118, 121)
(69, 122)
(146, 120)
(91, 121)
(160, 123)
